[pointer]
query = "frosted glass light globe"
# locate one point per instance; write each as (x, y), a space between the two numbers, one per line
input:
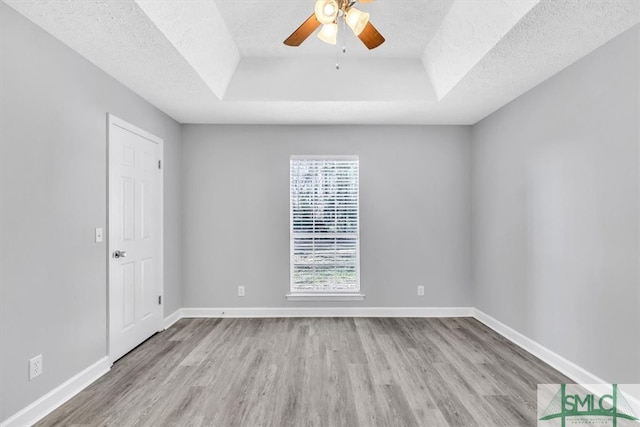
(326, 11)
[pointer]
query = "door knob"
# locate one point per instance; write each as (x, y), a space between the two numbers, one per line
(119, 254)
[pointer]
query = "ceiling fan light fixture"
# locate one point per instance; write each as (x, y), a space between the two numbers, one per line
(356, 20)
(326, 11)
(329, 33)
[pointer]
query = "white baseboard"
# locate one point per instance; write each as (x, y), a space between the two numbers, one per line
(578, 374)
(568, 368)
(328, 312)
(172, 318)
(56, 397)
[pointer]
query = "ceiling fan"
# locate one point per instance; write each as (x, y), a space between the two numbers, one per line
(327, 13)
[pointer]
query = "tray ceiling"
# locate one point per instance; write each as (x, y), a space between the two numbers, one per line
(443, 62)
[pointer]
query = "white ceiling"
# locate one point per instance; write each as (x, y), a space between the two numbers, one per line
(223, 61)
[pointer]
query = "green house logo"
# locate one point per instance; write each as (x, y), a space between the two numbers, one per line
(583, 407)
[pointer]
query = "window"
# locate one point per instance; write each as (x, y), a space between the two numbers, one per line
(325, 244)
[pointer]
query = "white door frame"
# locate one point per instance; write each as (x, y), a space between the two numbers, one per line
(116, 121)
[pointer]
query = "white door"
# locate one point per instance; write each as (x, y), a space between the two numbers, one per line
(135, 236)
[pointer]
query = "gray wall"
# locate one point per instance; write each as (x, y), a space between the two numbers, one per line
(414, 207)
(555, 212)
(53, 194)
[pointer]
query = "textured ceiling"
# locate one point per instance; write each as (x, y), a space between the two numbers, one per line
(444, 61)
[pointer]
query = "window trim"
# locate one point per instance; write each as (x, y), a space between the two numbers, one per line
(315, 295)
(329, 296)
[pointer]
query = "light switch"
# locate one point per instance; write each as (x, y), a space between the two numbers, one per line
(99, 235)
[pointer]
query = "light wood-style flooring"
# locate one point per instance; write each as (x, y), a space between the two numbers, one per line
(316, 372)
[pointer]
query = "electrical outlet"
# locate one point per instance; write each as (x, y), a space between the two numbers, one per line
(420, 291)
(35, 367)
(240, 291)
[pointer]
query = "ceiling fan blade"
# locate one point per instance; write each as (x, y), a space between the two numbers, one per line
(298, 36)
(371, 37)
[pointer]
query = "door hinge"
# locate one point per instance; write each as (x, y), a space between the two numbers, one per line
(159, 164)
(159, 299)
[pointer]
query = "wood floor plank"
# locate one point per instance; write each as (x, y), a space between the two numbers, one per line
(444, 396)
(400, 413)
(371, 406)
(483, 412)
(376, 358)
(428, 349)
(316, 372)
(407, 376)
(512, 411)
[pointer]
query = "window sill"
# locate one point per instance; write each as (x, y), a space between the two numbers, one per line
(324, 297)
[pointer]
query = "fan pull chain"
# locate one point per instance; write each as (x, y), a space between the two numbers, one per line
(344, 45)
(344, 35)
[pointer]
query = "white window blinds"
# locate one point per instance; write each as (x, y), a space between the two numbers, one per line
(325, 247)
